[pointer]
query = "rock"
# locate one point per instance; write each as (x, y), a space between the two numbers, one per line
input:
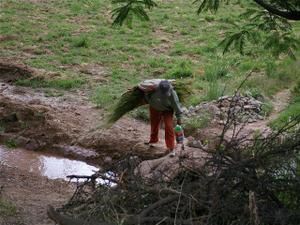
(191, 109)
(107, 159)
(247, 107)
(35, 102)
(222, 122)
(22, 141)
(32, 145)
(260, 117)
(184, 110)
(193, 114)
(195, 144)
(198, 107)
(223, 97)
(251, 120)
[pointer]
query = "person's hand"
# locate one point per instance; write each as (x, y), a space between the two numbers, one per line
(179, 121)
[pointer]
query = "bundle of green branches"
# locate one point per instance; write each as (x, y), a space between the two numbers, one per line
(134, 98)
(129, 101)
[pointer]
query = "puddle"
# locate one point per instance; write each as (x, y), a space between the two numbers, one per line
(44, 164)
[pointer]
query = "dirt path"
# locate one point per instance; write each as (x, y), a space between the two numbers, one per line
(30, 194)
(280, 101)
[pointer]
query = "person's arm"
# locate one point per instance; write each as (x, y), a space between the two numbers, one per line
(176, 106)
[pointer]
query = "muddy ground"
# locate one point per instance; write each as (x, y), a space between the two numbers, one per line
(70, 125)
(30, 194)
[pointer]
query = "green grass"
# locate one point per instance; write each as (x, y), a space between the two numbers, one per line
(191, 125)
(65, 84)
(105, 96)
(181, 70)
(7, 208)
(11, 143)
(266, 108)
(291, 112)
(176, 43)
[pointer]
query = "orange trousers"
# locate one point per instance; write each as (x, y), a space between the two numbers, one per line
(155, 118)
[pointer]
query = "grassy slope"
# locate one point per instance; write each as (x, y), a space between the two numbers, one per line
(62, 36)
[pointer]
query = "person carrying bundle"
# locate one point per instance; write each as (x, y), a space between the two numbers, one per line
(163, 103)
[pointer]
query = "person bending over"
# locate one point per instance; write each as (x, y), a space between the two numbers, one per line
(163, 104)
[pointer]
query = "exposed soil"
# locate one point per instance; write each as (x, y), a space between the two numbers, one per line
(31, 194)
(39, 122)
(68, 124)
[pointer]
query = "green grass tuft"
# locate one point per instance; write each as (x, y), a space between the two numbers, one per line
(7, 208)
(65, 84)
(215, 71)
(291, 112)
(181, 70)
(266, 108)
(11, 143)
(81, 42)
(191, 125)
(214, 91)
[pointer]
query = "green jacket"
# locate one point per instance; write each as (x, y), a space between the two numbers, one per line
(162, 102)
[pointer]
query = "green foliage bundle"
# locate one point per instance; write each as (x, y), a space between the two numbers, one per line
(129, 101)
(134, 98)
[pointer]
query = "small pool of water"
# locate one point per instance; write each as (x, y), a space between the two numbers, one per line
(44, 164)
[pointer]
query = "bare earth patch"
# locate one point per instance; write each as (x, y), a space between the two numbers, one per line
(30, 194)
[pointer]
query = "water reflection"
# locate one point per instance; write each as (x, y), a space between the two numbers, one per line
(44, 164)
